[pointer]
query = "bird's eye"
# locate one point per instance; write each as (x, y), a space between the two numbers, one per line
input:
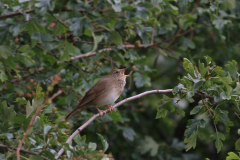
(116, 71)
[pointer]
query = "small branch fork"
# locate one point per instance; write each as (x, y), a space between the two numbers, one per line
(24, 151)
(32, 120)
(108, 110)
(210, 113)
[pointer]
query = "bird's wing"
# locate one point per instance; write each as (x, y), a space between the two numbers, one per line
(94, 92)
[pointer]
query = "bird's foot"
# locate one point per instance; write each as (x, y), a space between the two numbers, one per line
(111, 108)
(100, 112)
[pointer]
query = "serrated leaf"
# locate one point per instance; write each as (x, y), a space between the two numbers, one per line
(188, 66)
(141, 80)
(202, 69)
(5, 51)
(208, 59)
(195, 110)
(165, 105)
(232, 156)
(191, 142)
(149, 144)
(115, 38)
(128, 133)
(193, 125)
(231, 65)
(219, 137)
(178, 88)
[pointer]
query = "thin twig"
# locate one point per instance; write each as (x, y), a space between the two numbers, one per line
(106, 111)
(195, 7)
(24, 151)
(208, 108)
(15, 14)
(176, 35)
(32, 120)
(153, 33)
(60, 21)
(65, 61)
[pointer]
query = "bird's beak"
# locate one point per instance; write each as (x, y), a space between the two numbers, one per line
(123, 70)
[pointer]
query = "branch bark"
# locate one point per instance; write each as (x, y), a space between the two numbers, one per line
(106, 111)
(24, 151)
(32, 120)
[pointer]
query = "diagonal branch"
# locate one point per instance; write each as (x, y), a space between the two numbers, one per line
(70, 63)
(106, 111)
(210, 113)
(24, 151)
(153, 33)
(47, 100)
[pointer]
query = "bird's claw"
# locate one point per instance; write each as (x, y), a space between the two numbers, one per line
(111, 108)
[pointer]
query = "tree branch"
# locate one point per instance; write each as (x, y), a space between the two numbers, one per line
(15, 14)
(24, 151)
(153, 33)
(32, 120)
(107, 49)
(65, 61)
(106, 111)
(198, 2)
(210, 113)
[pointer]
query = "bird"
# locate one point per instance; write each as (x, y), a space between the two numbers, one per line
(104, 93)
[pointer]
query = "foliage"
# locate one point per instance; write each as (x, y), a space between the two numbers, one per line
(190, 46)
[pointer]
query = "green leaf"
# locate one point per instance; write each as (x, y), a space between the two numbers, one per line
(21, 101)
(191, 142)
(220, 23)
(80, 140)
(92, 146)
(141, 80)
(208, 59)
(148, 145)
(46, 129)
(5, 51)
(35, 158)
(187, 20)
(237, 89)
(202, 69)
(195, 110)
(228, 4)
(219, 137)
(3, 76)
(193, 125)
(187, 43)
(222, 115)
(237, 144)
(116, 116)
(33, 27)
(188, 66)
(39, 92)
(115, 38)
(7, 113)
(104, 142)
(231, 65)
(128, 132)
(165, 105)
(232, 156)
(178, 88)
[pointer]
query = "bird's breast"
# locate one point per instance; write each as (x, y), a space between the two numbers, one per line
(107, 98)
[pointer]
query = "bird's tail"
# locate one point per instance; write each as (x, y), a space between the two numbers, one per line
(73, 112)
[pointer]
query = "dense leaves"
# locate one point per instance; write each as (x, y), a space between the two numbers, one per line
(189, 46)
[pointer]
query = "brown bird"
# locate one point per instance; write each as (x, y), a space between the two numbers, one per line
(103, 93)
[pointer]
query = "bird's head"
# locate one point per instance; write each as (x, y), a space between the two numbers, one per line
(119, 72)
